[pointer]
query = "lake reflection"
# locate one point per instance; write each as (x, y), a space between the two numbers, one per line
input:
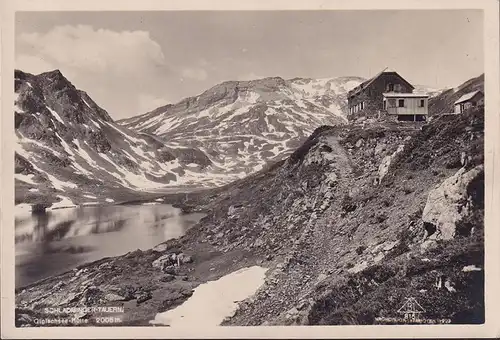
(59, 240)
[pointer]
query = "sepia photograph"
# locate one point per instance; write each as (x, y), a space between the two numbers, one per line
(206, 168)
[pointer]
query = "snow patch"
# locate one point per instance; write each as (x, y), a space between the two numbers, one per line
(213, 301)
(86, 103)
(471, 268)
(55, 114)
(25, 178)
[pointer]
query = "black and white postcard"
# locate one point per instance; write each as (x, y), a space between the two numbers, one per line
(175, 169)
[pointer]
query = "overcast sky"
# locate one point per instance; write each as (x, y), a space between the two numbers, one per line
(133, 62)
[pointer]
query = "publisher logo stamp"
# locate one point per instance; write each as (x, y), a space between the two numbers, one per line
(411, 312)
(411, 309)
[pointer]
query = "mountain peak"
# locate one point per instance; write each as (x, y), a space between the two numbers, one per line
(55, 80)
(52, 74)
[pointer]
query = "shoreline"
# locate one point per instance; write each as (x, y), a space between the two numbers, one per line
(154, 291)
(95, 260)
(208, 265)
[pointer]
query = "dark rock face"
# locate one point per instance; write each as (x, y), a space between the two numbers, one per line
(99, 142)
(52, 91)
(22, 166)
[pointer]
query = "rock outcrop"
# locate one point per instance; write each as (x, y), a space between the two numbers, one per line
(449, 203)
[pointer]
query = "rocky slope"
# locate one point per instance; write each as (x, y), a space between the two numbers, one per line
(353, 222)
(69, 149)
(243, 125)
(443, 103)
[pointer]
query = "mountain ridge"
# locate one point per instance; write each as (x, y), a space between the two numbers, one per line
(70, 149)
(444, 102)
(244, 125)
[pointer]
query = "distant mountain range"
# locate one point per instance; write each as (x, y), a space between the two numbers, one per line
(69, 147)
(71, 150)
(242, 125)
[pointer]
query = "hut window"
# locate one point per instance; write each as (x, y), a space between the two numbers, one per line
(391, 87)
(422, 103)
(401, 103)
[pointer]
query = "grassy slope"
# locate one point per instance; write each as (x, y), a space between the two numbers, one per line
(432, 154)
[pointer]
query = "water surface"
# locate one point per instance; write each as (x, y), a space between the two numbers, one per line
(59, 240)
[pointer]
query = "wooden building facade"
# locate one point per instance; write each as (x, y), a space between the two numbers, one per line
(387, 93)
(468, 101)
(406, 106)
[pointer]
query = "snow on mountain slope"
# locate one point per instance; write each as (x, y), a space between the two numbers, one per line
(68, 146)
(243, 125)
(431, 91)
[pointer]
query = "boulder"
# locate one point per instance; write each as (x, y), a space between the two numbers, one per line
(448, 204)
(160, 248)
(158, 263)
(183, 258)
(386, 162)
